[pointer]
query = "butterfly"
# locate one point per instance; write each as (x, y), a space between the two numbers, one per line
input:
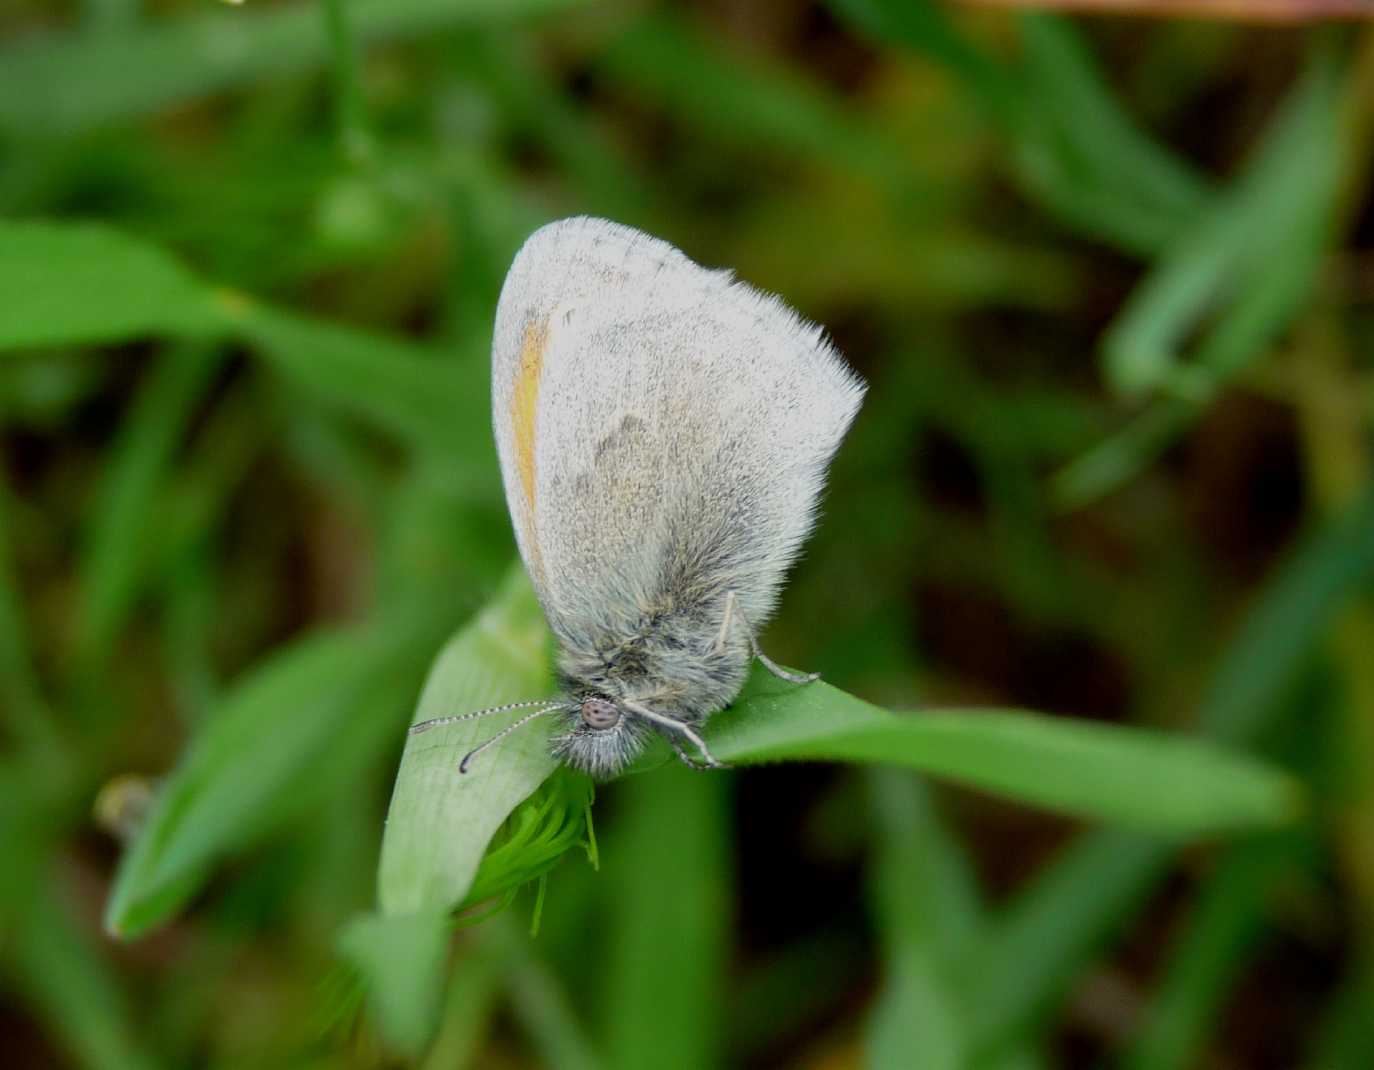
(664, 433)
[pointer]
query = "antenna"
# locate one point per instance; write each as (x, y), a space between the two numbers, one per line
(439, 722)
(463, 765)
(547, 706)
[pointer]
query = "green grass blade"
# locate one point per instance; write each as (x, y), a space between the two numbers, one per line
(419, 395)
(401, 960)
(117, 552)
(1064, 916)
(1099, 138)
(664, 60)
(77, 283)
(1122, 455)
(667, 868)
(66, 283)
(1102, 212)
(277, 740)
(190, 603)
(1170, 785)
(1280, 632)
(1133, 777)
(518, 81)
(108, 13)
(1024, 1058)
(925, 889)
(27, 715)
(199, 501)
(539, 832)
(350, 115)
(926, 910)
(1257, 253)
(1075, 150)
(915, 1021)
(1226, 921)
(440, 822)
(67, 83)
(794, 986)
(1032, 951)
(925, 28)
(1036, 948)
(538, 1002)
(467, 1011)
(1267, 224)
(62, 973)
(1346, 1036)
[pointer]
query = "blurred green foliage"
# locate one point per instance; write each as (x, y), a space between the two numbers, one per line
(1109, 281)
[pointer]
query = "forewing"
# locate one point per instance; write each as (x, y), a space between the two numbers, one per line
(580, 263)
(667, 430)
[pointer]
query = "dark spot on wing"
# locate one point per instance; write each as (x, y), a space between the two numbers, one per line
(628, 431)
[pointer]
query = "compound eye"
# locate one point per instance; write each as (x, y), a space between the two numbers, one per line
(600, 713)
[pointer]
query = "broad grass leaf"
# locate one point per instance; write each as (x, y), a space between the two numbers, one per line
(1257, 249)
(1040, 941)
(926, 909)
(1345, 1036)
(1120, 456)
(1070, 909)
(1134, 188)
(117, 554)
(22, 705)
(1075, 149)
(54, 965)
(1167, 784)
(538, 1002)
(274, 743)
(1323, 573)
(927, 29)
(924, 888)
(1225, 924)
(668, 861)
(417, 394)
(441, 822)
(662, 59)
(69, 283)
(401, 958)
(467, 1011)
(915, 1021)
(520, 84)
(66, 83)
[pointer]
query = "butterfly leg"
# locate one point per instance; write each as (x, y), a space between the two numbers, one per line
(710, 759)
(732, 610)
(678, 728)
(686, 759)
(726, 621)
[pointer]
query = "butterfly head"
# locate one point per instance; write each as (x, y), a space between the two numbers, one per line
(602, 737)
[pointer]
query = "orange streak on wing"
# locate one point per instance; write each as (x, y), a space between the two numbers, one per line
(524, 408)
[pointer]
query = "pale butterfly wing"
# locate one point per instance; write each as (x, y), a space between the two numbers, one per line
(663, 431)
